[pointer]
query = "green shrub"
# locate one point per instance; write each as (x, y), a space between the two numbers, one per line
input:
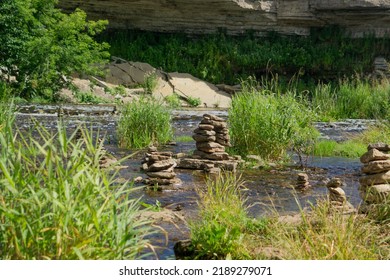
(173, 100)
(57, 203)
(194, 101)
(143, 122)
(269, 125)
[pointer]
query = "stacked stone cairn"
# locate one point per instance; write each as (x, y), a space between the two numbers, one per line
(211, 136)
(337, 198)
(302, 182)
(159, 167)
(375, 184)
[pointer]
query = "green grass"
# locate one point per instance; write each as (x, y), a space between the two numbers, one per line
(173, 101)
(324, 235)
(184, 138)
(354, 147)
(219, 233)
(268, 125)
(144, 122)
(224, 230)
(56, 202)
(89, 98)
(353, 98)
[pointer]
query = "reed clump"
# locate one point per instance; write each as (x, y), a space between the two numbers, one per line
(57, 203)
(143, 122)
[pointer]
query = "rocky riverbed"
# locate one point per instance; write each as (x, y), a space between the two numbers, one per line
(267, 190)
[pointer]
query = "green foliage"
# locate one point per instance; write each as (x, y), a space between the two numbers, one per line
(219, 232)
(89, 98)
(268, 124)
(354, 147)
(150, 82)
(353, 98)
(326, 54)
(184, 138)
(143, 122)
(57, 203)
(173, 100)
(194, 101)
(40, 45)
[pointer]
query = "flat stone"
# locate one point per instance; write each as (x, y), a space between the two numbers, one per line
(158, 157)
(216, 124)
(205, 126)
(375, 179)
(203, 138)
(162, 165)
(383, 147)
(210, 147)
(198, 164)
(205, 132)
(212, 156)
(373, 155)
(160, 181)
(213, 117)
(168, 154)
(378, 166)
(161, 175)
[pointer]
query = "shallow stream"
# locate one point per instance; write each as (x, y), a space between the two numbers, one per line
(266, 190)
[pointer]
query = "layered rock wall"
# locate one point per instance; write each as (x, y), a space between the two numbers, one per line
(239, 16)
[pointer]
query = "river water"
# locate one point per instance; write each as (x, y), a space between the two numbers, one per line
(266, 191)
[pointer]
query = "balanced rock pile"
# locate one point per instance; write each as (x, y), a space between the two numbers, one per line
(375, 184)
(159, 167)
(211, 136)
(302, 182)
(337, 198)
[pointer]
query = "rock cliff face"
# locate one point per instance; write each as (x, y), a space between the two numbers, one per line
(238, 16)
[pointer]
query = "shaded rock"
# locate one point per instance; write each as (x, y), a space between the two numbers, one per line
(213, 117)
(203, 138)
(201, 131)
(205, 126)
(184, 249)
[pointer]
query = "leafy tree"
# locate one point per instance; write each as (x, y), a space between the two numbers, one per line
(41, 46)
